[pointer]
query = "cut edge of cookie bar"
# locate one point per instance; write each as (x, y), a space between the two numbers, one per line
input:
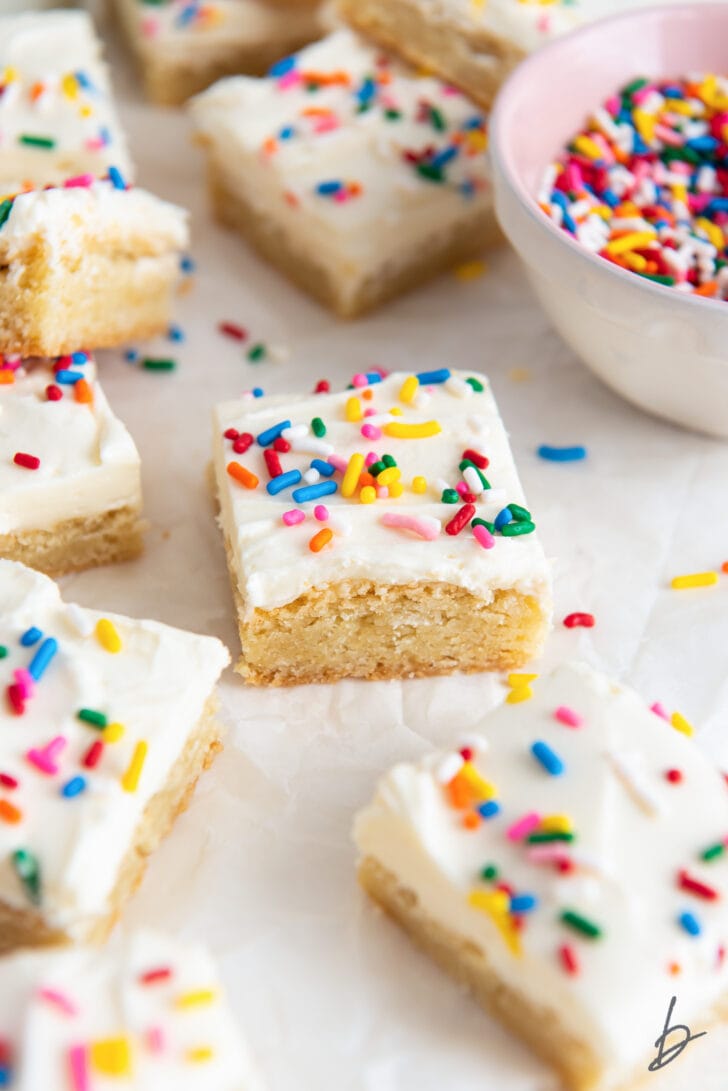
(72, 545)
(472, 59)
(21, 928)
(436, 254)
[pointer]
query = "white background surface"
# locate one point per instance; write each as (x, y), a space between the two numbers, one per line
(261, 867)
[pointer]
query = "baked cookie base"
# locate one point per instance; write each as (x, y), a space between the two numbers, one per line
(101, 298)
(76, 544)
(437, 253)
(28, 928)
(471, 58)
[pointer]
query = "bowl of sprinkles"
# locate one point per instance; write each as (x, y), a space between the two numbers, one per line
(610, 162)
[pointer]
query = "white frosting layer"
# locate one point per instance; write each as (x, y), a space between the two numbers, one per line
(131, 222)
(55, 86)
(634, 832)
(156, 687)
(273, 562)
(527, 24)
(277, 142)
(173, 1032)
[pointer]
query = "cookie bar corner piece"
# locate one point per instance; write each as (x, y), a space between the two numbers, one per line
(107, 723)
(574, 837)
(380, 532)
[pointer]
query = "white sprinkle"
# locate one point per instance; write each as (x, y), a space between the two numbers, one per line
(312, 476)
(457, 386)
(311, 446)
(296, 431)
(634, 781)
(79, 619)
(448, 768)
(472, 480)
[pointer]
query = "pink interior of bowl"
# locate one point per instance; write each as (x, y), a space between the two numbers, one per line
(548, 98)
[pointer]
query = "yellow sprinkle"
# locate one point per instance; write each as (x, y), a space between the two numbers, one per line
(514, 679)
(69, 86)
(199, 1055)
(496, 904)
(713, 232)
(471, 270)
(680, 724)
(645, 124)
(10, 74)
(519, 694)
(588, 147)
(86, 111)
(396, 489)
(114, 732)
(419, 485)
(111, 1057)
(556, 823)
(477, 140)
(634, 241)
(351, 477)
(636, 262)
(368, 494)
(400, 430)
(484, 788)
(353, 411)
(679, 107)
(196, 999)
(108, 636)
(396, 411)
(408, 389)
(130, 779)
(389, 476)
(697, 579)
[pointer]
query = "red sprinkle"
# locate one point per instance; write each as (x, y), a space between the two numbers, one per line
(674, 776)
(152, 977)
(30, 462)
(694, 886)
(53, 392)
(322, 387)
(92, 757)
(16, 699)
(273, 462)
(281, 445)
(460, 519)
(242, 443)
(569, 959)
(474, 456)
(466, 753)
(231, 329)
(720, 955)
(63, 363)
(231, 433)
(580, 621)
(724, 568)
(7, 781)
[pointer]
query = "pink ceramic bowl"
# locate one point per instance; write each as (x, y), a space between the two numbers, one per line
(664, 351)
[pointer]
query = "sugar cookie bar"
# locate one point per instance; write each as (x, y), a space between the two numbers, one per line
(86, 263)
(472, 43)
(568, 864)
(147, 1012)
(57, 115)
(378, 533)
(183, 47)
(70, 489)
(354, 176)
(105, 725)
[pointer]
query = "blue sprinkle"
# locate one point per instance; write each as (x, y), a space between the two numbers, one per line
(280, 68)
(327, 189)
(131, 356)
(116, 178)
(475, 122)
(561, 454)
(373, 377)
(690, 923)
(187, 264)
(503, 517)
(31, 636)
(718, 204)
(79, 357)
(705, 143)
(283, 481)
(270, 434)
(68, 378)
(6, 1075)
(257, 391)
(83, 81)
(550, 760)
(105, 136)
(73, 787)
(287, 133)
(367, 90)
(467, 188)
(324, 468)
(186, 15)
(523, 903)
(176, 333)
(42, 658)
(313, 492)
(489, 809)
(444, 157)
(431, 378)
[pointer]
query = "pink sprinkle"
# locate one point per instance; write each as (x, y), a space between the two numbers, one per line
(45, 759)
(483, 536)
(370, 458)
(24, 682)
(78, 1067)
(370, 431)
(382, 492)
(547, 854)
(59, 1000)
(370, 412)
(338, 463)
(289, 79)
(428, 529)
(660, 710)
(461, 488)
(293, 517)
(327, 124)
(321, 512)
(360, 380)
(525, 825)
(81, 181)
(568, 717)
(155, 1040)
(94, 144)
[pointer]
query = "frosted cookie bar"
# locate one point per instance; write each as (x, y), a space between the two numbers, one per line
(568, 864)
(148, 1012)
(105, 726)
(473, 43)
(378, 533)
(183, 47)
(57, 115)
(90, 262)
(70, 489)
(354, 176)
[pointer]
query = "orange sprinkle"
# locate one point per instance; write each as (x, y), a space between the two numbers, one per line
(366, 479)
(320, 539)
(83, 393)
(9, 813)
(708, 289)
(366, 392)
(471, 820)
(724, 568)
(242, 476)
(355, 190)
(291, 199)
(459, 792)
(36, 91)
(7, 376)
(270, 146)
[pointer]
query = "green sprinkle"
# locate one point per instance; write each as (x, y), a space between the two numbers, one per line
(6, 207)
(91, 716)
(37, 141)
(546, 836)
(438, 119)
(713, 852)
(449, 496)
(635, 85)
(318, 427)
(476, 384)
(257, 352)
(27, 869)
(3, 652)
(521, 515)
(392, 115)
(388, 461)
(658, 278)
(581, 924)
(514, 530)
(478, 522)
(483, 479)
(489, 873)
(154, 363)
(376, 468)
(432, 174)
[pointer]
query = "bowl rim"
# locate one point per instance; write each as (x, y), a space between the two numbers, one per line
(503, 160)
